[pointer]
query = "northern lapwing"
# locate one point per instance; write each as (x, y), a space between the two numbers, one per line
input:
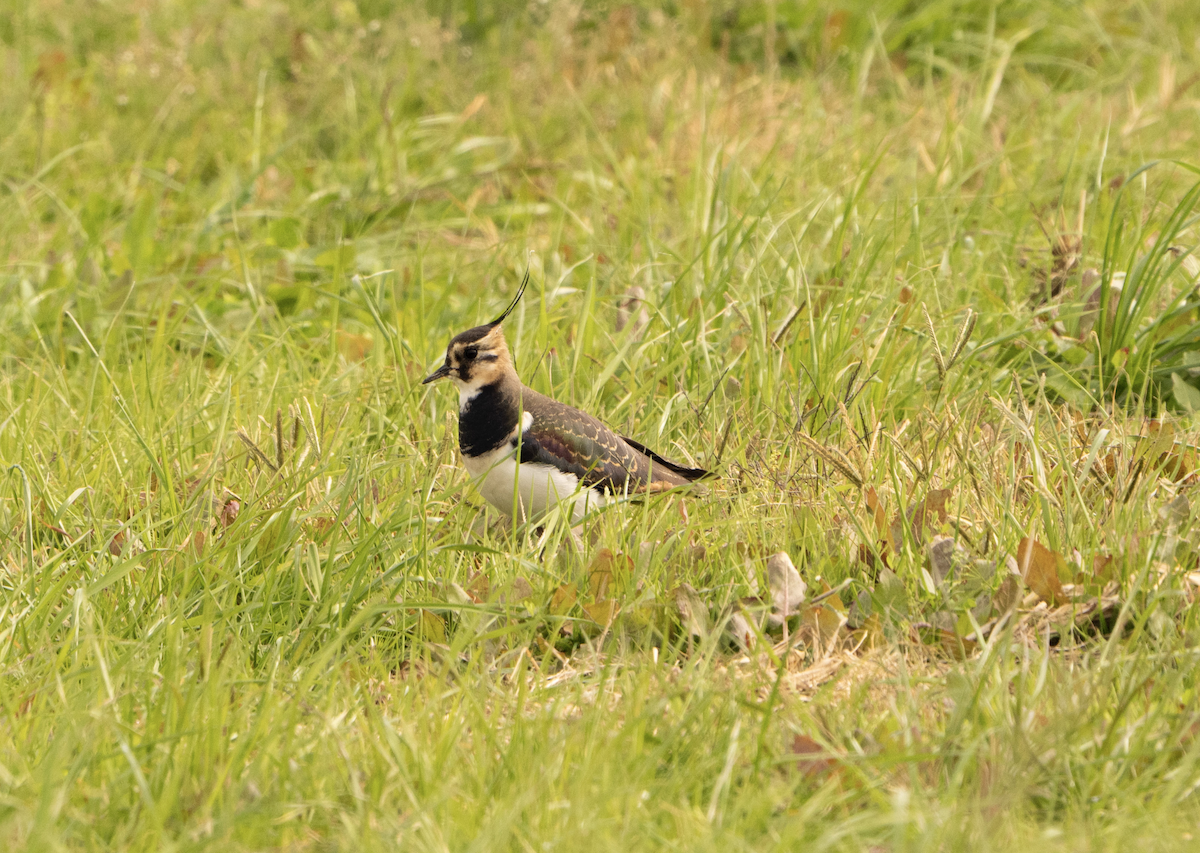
(527, 452)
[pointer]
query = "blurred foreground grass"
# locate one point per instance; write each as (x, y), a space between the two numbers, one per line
(246, 597)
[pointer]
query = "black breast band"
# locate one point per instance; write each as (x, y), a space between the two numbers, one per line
(488, 420)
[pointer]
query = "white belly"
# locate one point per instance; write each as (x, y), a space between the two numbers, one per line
(541, 487)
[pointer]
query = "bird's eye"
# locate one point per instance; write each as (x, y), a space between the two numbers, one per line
(469, 353)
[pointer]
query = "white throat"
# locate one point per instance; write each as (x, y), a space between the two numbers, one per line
(466, 392)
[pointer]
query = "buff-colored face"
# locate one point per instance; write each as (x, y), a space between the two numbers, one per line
(475, 358)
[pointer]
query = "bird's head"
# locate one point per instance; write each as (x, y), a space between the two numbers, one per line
(478, 356)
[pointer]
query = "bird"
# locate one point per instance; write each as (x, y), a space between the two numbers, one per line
(528, 453)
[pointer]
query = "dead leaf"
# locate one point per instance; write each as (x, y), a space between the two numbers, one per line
(1158, 438)
(1158, 447)
(787, 587)
(693, 612)
(828, 596)
(520, 589)
(455, 594)
(1177, 465)
(866, 558)
(322, 524)
(870, 635)
(957, 647)
(741, 629)
(478, 587)
(832, 614)
(354, 347)
(812, 758)
(563, 599)
(1007, 596)
(945, 554)
(600, 574)
(878, 514)
(51, 70)
(602, 571)
(1039, 569)
(926, 514)
(824, 620)
(116, 543)
(1176, 512)
(229, 512)
(602, 612)
(432, 627)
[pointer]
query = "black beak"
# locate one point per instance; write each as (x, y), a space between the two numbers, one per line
(441, 373)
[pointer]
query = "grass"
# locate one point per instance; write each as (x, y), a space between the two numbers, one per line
(248, 601)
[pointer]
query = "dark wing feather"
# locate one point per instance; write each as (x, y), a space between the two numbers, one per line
(574, 441)
(689, 474)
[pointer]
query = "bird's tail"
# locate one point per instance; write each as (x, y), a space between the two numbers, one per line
(689, 474)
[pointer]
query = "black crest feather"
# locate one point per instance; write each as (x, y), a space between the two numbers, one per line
(513, 304)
